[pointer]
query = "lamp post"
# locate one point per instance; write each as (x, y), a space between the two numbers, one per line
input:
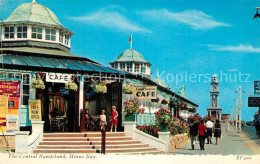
(240, 103)
(235, 99)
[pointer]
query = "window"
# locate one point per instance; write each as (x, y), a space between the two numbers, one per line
(129, 67)
(143, 68)
(137, 66)
(50, 34)
(36, 32)
(9, 32)
(122, 66)
(22, 32)
(67, 38)
(26, 89)
(61, 35)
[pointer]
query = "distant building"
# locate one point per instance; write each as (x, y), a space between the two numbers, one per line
(133, 62)
(214, 109)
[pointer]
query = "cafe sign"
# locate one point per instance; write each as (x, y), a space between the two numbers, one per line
(145, 92)
(58, 77)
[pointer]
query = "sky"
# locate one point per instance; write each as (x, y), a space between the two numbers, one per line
(186, 41)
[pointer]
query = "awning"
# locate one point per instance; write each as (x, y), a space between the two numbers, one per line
(54, 63)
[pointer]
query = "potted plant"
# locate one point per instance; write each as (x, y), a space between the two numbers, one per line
(37, 83)
(164, 101)
(71, 85)
(130, 108)
(99, 87)
(128, 89)
(162, 118)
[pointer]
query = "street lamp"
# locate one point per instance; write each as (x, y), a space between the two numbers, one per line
(235, 99)
(240, 103)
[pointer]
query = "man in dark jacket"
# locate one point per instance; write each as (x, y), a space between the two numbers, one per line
(193, 133)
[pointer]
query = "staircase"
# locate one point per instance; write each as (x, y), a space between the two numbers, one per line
(90, 142)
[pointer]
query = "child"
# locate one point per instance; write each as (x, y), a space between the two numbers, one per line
(114, 118)
(103, 120)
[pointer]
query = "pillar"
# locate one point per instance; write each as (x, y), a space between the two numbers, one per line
(129, 128)
(81, 96)
(21, 138)
(165, 136)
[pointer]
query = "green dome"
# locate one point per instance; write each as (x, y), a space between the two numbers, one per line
(131, 55)
(33, 13)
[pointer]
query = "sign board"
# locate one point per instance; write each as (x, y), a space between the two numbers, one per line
(35, 110)
(3, 109)
(10, 87)
(253, 101)
(58, 77)
(257, 87)
(9, 104)
(145, 92)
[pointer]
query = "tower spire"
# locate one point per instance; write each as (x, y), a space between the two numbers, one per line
(33, 1)
(130, 40)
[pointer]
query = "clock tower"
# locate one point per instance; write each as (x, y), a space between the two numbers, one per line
(214, 111)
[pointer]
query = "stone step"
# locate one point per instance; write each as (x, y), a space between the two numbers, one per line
(89, 142)
(89, 146)
(127, 150)
(86, 138)
(115, 151)
(85, 134)
(66, 151)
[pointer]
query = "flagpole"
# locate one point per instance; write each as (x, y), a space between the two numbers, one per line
(131, 44)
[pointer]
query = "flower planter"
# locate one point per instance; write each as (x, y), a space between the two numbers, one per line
(163, 128)
(130, 118)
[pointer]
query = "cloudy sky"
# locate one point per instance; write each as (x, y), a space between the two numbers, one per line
(187, 41)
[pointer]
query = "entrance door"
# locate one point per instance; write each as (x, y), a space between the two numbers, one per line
(116, 99)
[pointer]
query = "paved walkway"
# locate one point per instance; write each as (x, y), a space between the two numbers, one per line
(231, 143)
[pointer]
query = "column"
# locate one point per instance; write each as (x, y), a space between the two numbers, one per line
(81, 95)
(118, 66)
(129, 128)
(57, 36)
(21, 138)
(133, 69)
(29, 32)
(15, 32)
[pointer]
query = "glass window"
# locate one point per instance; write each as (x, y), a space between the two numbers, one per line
(67, 38)
(36, 33)
(143, 69)
(122, 66)
(26, 89)
(137, 66)
(22, 32)
(61, 35)
(50, 34)
(9, 32)
(129, 67)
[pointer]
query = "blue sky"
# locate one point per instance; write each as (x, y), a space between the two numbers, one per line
(179, 38)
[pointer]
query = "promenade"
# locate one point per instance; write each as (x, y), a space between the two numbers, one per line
(231, 143)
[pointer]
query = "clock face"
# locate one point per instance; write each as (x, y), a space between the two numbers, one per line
(214, 87)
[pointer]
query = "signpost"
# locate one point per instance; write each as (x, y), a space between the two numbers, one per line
(145, 92)
(35, 110)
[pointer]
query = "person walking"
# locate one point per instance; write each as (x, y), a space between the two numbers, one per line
(209, 126)
(193, 133)
(114, 120)
(217, 131)
(202, 132)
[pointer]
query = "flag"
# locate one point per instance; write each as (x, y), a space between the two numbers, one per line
(130, 39)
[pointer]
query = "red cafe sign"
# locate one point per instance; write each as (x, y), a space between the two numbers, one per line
(10, 87)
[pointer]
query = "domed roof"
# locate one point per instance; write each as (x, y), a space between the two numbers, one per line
(131, 55)
(33, 13)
